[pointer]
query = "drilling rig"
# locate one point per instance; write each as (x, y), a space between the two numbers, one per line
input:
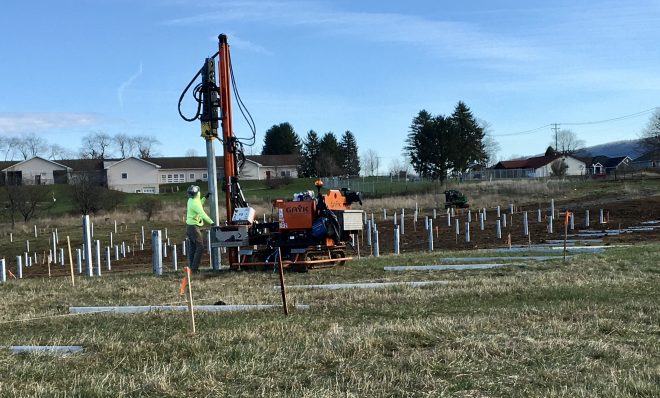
(311, 230)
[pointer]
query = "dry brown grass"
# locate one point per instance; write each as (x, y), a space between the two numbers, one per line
(588, 328)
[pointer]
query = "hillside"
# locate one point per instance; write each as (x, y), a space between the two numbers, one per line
(631, 148)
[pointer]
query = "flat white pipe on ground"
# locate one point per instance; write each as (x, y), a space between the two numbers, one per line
(549, 250)
(372, 285)
(452, 267)
(49, 349)
(138, 309)
(498, 258)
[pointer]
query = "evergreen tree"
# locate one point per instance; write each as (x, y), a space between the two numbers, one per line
(350, 158)
(468, 145)
(330, 157)
(309, 155)
(430, 144)
(281, 139)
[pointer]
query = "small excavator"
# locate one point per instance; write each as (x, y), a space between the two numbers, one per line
(312, 230)
(454, 198)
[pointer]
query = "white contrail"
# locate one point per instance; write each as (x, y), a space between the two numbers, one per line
(124, 85)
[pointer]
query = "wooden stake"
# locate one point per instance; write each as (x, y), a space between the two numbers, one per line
(190, 300)
(282, 287)
(68, 243)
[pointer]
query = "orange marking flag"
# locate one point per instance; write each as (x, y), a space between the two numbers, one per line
(184, 281)
(568, 216)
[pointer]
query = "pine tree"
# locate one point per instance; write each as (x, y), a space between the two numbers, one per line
(468, 146)
(281, 139)
(429, 145)
(329, 159)
(309, 155)
(350, 158)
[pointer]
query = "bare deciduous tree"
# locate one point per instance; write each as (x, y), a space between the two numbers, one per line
(145, 145)
(567, 142)
(57, 152)
(370, 162)
(191, 153)
(651, 134)
(124, 144)
(96, 146)
(29, 146)
(491, 145)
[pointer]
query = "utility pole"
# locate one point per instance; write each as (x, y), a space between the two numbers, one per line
(555, 128)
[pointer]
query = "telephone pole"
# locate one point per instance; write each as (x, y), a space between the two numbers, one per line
(555, 128)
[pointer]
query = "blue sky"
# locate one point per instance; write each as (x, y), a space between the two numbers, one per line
(72, 67)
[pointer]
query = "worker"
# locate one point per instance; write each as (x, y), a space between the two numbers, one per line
(195, 218)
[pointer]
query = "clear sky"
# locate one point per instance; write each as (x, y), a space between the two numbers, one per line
(72, 67)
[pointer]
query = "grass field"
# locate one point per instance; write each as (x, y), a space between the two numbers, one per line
(587, 328)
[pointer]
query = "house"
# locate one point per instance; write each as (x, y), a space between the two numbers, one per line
(141, 175)
(649, 160)
(541, 166)
(603, 165)
(35, 171)
(132, 175)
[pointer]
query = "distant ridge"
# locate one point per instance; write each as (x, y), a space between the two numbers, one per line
(631, 148)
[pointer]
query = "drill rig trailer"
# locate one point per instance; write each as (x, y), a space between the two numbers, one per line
(309, 232)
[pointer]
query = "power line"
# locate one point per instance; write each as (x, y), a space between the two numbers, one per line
(632, 115)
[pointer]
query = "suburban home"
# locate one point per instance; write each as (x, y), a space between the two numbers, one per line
(35, 171)
(603, 165)
(649, 160)
(132, 175)
(541, 166)
(141, 175)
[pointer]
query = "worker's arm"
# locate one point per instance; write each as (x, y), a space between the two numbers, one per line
(199, 210)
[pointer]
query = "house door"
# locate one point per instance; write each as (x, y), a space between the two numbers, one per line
(268, 175)
(37, 179)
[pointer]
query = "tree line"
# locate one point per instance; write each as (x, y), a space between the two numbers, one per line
(319, 156)
(437, 145)
(95, 145)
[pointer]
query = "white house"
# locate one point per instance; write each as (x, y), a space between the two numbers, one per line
(541, 166)
(37, 171)
(132, 175)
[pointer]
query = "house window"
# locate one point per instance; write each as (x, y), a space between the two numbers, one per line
(169, 178)
(205, 176)
(149, 190)
(124, 176)
(283, 174)
(137, 191)
(192, 176)
(163, 177)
